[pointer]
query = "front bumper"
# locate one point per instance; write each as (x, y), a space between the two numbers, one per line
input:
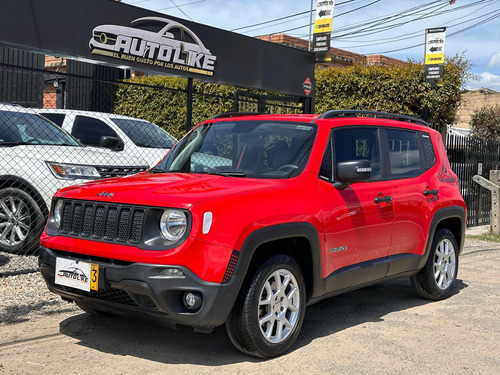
(141, 289)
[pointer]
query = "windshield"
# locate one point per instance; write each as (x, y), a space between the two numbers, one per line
(145, 134)
(29, 129)
(256, 149)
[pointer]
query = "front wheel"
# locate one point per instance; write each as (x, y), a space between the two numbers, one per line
(436, 280)
(21, 222)
(268, 315)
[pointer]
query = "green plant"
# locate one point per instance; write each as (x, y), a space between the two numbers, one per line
(485, 122)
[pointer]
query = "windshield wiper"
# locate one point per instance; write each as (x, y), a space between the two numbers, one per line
(157, 170)
(228, 173)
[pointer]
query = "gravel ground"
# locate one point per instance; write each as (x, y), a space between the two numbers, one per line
(24, 295)
(382, 329)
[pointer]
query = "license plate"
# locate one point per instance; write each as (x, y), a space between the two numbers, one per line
(76, 274)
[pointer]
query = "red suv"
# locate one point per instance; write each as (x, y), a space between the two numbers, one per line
(251, 218)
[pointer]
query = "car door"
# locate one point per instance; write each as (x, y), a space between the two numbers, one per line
(411, 155)
(357, 229)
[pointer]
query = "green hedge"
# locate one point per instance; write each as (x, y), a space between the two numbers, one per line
(393, 88)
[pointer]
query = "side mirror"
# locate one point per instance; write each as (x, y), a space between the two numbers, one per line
(354, 171)
(113, 143)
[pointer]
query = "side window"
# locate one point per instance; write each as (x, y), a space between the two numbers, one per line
(326, 169)
(429, 154)
(358, 144)
(404, 154)
(90, 130)
(56, 118)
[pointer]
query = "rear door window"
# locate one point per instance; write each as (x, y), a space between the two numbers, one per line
(404, 153)
(90, 130)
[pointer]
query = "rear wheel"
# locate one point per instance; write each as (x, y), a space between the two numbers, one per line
(21, 222)
(437, 279)
(267, 318)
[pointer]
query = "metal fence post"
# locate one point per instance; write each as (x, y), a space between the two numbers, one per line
(493, 185)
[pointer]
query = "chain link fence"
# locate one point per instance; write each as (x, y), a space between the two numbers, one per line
(57, 129)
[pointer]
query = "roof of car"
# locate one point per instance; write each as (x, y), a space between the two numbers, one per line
(353, 116)
(87, 113)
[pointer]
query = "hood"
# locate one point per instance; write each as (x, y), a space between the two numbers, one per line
(71, 154)
(179, 190)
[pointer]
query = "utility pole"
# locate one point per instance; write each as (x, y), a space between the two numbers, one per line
(310, 25)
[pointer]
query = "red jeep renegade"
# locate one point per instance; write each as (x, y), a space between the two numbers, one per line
(251, 218)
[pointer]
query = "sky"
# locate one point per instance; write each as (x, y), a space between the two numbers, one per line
(388, 27)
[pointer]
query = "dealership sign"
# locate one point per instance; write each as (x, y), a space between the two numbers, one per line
(170, 45)
(129, 37)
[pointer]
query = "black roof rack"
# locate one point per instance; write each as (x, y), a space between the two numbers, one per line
(355, 113)
(237, 114)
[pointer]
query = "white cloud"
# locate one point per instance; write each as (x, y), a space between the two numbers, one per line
(495, 59)
(487, 80)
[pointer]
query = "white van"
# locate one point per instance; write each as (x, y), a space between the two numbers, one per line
(122, 134)
(37, 159)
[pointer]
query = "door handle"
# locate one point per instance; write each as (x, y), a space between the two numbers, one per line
(386, 199)
(431, 192)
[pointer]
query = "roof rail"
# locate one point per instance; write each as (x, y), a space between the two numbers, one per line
(355, 113)
(237, 114)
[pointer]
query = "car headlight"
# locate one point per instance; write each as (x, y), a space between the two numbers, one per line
(58, 212)
(73, 171)
(173, 224)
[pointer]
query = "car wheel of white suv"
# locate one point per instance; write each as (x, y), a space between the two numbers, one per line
(21, 222)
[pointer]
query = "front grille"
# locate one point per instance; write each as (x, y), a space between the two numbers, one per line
(107, 171)
(101, 221)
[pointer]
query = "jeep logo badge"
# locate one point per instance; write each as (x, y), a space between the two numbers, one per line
(105, 194)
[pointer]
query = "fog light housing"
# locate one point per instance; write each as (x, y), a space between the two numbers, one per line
(192, 300)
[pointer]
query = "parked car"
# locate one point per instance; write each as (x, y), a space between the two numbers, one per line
(123, 134)
(38, 158)
(250, 218)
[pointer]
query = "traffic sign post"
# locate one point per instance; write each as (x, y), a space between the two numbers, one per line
(434, 55)
(323, 28)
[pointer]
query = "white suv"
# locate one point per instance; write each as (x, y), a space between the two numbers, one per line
(123, 134)
(39, 158)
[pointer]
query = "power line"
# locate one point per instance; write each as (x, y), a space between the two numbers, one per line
(181, 5)
(180, 10)
(416, 34)
(338, 15)
(286, 17)
(496, 15)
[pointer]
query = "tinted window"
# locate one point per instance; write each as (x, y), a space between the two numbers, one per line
(404, 154)
(358, 144)
(145, 134)
(90, 130)
(28, 128)
(56, 118)
(257, 149)
(429, 154)
(326, 169)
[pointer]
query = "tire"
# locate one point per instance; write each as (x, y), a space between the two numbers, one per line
(436, 280)
(261, 297)
(21, 222)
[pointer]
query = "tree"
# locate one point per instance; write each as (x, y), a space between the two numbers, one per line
(394, 88)
(485, 122)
